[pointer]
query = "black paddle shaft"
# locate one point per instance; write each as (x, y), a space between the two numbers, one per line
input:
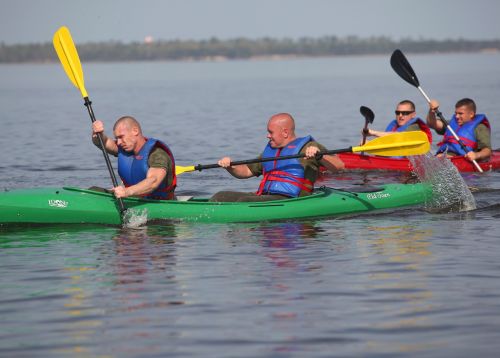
(319, 155)
(88, 104)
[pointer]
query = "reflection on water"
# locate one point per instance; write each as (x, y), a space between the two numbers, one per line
(363, 287)
(139, 251)
(278, 240)
(399, 256)
(385, 273)
(83, 282)
(82, 323)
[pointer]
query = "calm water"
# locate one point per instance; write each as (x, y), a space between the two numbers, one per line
(407, 282)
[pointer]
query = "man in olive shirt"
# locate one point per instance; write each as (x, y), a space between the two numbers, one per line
(146, 165)
(282, 179)
(472, 129)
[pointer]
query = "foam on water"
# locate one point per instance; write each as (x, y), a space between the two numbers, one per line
(134, 218)
(450, 192)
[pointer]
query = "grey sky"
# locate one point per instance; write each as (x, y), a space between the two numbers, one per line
(27, 21)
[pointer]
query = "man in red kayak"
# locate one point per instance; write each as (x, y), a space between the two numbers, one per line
(472, 129)
(282, 179)
(406, 120)
(146, 165)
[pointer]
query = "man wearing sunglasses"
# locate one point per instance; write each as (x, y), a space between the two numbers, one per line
(472, 129)
(406, 120)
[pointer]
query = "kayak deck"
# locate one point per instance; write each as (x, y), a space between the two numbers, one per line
(75, 205)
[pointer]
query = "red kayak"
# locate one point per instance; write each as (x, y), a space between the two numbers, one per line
(374, 162)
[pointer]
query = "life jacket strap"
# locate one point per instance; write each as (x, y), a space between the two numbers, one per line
(281, 176)
(451, 139)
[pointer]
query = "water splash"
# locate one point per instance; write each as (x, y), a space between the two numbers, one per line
(135, 218)
(450, 192)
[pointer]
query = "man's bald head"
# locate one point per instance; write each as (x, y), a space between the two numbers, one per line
(281, 130)
(283, 120)
(129, 122)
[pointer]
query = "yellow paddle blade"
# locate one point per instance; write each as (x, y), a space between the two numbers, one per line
(397, 144)
(66, 51)
(180, 170)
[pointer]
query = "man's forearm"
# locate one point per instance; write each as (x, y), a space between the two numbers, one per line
(109, 144)
(146, 186)
(434, 122)
(333, 163)
(240, 171)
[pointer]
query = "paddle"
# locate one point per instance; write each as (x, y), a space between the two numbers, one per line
(402, 67)
(369, 117)
(66, 51)
(397, 144)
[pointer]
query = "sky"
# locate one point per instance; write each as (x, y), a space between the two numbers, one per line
(35, 21)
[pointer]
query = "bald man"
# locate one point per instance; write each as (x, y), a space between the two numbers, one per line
(145, 165)
(282, 179)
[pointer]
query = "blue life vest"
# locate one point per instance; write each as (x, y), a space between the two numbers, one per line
(285, 177)
(133, 169)
(393, 127)
(464, 132)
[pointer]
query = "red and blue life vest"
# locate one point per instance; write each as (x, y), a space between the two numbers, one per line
(393, 127)
(133, 169)
(285, 177)
(466, 134)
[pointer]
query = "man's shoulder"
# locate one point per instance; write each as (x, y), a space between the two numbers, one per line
(413, 127)
(482, 129)
(313, 143)
(159, 158)
(158, 150)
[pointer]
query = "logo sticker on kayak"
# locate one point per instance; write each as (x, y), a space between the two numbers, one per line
(377, 195)
(58, 203)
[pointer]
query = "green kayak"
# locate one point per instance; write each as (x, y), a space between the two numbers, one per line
(73, 205)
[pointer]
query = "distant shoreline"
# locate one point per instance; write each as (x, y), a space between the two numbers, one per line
(214, 50)
(220, 59)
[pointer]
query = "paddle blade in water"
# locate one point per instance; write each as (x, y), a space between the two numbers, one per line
(66, 51)
(397, 144)
(400, 64)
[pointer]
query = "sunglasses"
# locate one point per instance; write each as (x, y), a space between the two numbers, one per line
(404, 113)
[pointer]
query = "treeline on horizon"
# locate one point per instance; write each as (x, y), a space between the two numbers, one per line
(240, 48)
